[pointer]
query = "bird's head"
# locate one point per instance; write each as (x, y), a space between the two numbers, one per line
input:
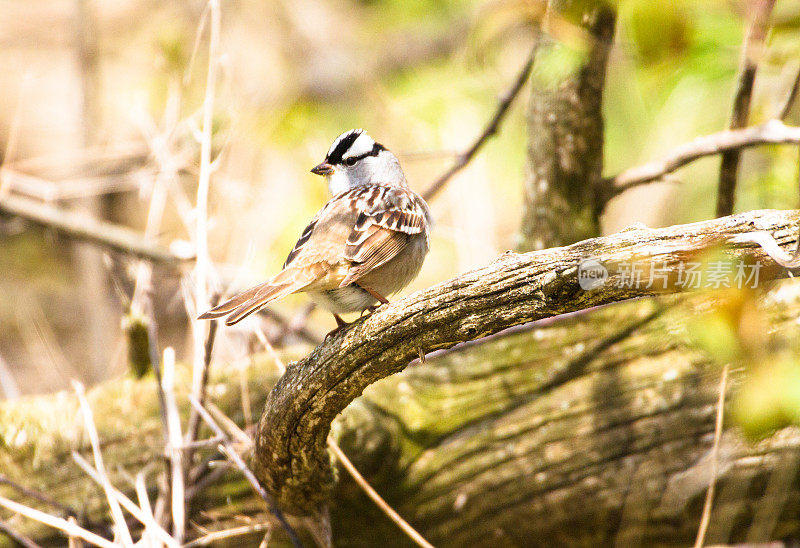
(355, 159)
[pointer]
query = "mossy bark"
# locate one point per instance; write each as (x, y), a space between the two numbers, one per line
(590, 428)
(587, 430)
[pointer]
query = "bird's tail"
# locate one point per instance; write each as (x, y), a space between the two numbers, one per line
(247, 302)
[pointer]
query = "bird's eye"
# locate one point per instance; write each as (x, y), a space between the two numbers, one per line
(349, 161)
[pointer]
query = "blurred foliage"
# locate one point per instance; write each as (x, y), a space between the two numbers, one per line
(736, 331)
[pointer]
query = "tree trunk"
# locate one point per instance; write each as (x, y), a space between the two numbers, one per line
(565, 131)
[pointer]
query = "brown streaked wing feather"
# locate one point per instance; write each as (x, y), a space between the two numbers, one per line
(382, 229)
(377, 248)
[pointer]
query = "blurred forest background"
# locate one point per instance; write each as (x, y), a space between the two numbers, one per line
(102, 114)
(101, 109)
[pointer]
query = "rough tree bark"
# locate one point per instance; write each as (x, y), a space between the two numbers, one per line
(565, 131)
(291, 457)
(589, 429)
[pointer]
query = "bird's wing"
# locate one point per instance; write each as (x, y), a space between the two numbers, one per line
(387, 218)
(355, 232)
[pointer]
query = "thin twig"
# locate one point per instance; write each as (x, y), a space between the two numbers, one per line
(203, 336)
(709, 502)
(174, 452)
(298, 322)
(772, 132)
(84, 228)
(91, 431)
(227, 448)
(36, 495)
(57, 523)
(375, 497)
(301, 331)
(491, 128)
(262, 338)
(140, 485)
(125, 502)
(72, 540)
(16, 536)
(791, 96)
(194, 419)
(233, 430)
(752, 51)
(211, 538)
(265, 541)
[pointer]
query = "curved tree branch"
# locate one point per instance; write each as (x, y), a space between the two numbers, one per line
(290, 455)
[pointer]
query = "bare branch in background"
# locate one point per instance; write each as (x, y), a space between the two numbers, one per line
(37, 496)
(790, 98)
(67, 527)
(772, 132)
(194, 418)
(752, 52)
(290, 453)
(491, 128)
(83, 228)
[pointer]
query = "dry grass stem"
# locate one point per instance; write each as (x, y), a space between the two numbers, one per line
(174, 453)
(376, 498)
(210, 538)
(140, 484)
(709, 502)
(144, 518)
(227, 449)
(67, 527)
(202, 330)
(116, 512)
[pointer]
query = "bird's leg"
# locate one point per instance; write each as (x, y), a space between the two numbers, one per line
(377, 296)
(340, 324)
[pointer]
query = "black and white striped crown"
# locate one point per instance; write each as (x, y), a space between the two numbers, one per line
(353, 144)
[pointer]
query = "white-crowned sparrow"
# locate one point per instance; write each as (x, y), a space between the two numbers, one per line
(367, 242)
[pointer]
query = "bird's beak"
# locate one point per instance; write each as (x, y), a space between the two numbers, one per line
(322, 169)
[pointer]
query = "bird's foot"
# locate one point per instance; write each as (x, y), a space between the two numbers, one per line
(340, 324)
